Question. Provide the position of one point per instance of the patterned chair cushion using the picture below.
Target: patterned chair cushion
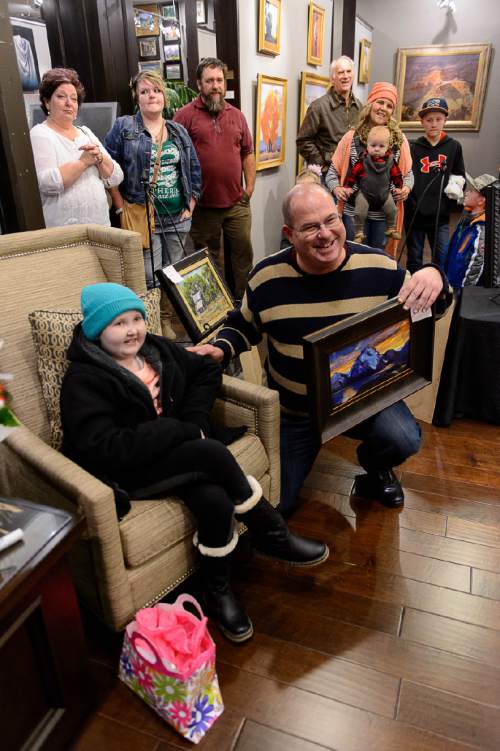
(52, 331)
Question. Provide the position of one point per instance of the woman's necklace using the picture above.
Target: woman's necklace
(157, 134)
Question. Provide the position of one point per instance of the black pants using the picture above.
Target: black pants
(220, 485)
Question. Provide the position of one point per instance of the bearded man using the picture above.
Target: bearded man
(224, 146)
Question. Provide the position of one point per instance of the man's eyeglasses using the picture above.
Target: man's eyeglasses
(311, 230)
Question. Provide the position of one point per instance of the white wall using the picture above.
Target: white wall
(406, 23)
(273, 184)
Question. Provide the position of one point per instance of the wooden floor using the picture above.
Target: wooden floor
(392, 645)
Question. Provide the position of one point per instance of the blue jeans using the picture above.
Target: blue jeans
(168, 248)
(387, 439)
(415, 245)
(374, 231)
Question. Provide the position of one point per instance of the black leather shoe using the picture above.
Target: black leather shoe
(382, 486)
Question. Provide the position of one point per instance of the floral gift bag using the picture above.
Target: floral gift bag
(168, 659)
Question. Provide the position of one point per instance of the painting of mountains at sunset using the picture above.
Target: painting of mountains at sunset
(452, 77)
(361, 367)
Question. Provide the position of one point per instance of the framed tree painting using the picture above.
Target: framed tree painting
(315, 34)
(312, 86)
(457, 73)
(365, 61)
(270, 129)
(269, 26)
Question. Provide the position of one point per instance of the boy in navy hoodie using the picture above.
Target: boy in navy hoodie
(438, 165)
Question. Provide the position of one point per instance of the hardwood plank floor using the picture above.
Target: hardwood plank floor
(392, 645)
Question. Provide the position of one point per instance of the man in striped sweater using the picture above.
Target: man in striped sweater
(319, 280)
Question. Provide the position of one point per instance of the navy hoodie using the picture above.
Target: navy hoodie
(428, 160)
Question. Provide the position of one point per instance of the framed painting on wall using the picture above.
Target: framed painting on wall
(155, 65)
(146, 19)
(148, 48)
(315, 34)
(269, 26)
(312, 86)
(270, 129)
(365, 61)
(365, 363)
(457, 73)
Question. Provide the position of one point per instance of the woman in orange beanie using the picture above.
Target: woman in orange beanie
(378, 110)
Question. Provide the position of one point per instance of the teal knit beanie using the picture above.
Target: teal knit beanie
(101, 303)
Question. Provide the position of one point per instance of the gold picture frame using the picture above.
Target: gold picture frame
(312, 86)
(146, 18)
(316, 34)
(269, 26)
(457, 73)
(270, 128)
(365, 61)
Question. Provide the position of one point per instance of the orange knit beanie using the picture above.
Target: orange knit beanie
(385, 90)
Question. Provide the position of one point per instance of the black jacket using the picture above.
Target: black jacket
(110, 425)
(430, 163)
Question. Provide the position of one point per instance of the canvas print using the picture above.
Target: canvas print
(315, 37)
(366, 364)
(172, 53)
(365, 61)
(198, 293)
(171, 30)
(270, 128)
(27, 60)
(173, 72)
(168, 11)
(312, 87)
(456, 73)
(152, 65)
(269, 26)
(146, 19)
(201, 11)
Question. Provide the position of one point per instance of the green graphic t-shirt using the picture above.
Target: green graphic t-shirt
(168, 190)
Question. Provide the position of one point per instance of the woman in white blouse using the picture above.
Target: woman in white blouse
(72, 166)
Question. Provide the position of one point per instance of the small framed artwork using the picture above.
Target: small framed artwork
(173, 72)
(146, 19)
(269, 26)
(155, 65)
(168, 11)
(457, 73)
(172, 52)
(312, 87)
(315, 34)
(270, 129)
(171, 30)
(198, 293)
(365, 363)
(148, 48)
(201, 11)
(365, 61)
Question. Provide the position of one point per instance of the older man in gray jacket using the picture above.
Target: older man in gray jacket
(329, 116)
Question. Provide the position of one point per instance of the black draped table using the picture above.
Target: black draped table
(470, 380)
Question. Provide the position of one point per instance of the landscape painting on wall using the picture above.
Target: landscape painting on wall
(456, 73)
(270, 129)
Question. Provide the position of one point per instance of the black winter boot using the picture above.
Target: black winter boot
(270, 533)
(221, 604)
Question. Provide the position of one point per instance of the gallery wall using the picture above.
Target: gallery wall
(272, 184)
(405, 23)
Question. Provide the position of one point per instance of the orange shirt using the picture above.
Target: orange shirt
(151, 379)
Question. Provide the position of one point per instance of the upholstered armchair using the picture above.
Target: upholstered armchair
(119, 566)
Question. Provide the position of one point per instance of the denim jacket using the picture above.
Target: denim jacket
(129, 143)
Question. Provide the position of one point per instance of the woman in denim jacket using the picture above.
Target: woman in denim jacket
(133, 142)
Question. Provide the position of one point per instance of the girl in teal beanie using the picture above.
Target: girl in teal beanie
(135, 412)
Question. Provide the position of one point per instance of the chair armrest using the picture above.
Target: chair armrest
(257, 407)
(94, 499)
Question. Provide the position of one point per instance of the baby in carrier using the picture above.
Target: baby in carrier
(373, 176)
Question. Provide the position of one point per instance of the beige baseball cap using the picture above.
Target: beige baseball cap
(481, 182)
